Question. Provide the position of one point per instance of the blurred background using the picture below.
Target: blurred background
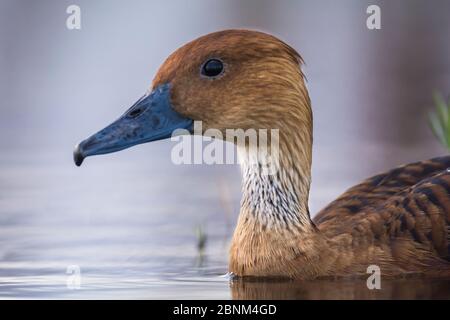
(138, 225)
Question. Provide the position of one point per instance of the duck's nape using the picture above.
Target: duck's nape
(238, 79)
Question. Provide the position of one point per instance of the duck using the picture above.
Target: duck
(397, 220)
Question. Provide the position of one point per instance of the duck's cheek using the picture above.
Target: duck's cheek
(151, 118)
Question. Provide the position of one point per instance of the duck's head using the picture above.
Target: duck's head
(234, 79)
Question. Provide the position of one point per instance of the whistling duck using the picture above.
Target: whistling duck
(398, 220)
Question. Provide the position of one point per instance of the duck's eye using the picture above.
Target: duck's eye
(212, 68)
(134, 113)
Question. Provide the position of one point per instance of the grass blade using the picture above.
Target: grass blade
(440, 120)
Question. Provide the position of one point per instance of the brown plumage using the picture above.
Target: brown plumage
(402, 216)
(398, 220)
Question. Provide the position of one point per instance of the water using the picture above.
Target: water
(129, 237)
(129, 221)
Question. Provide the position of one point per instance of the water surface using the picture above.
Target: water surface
(130, 222)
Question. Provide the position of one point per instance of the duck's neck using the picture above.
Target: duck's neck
(274, 228)
(277, 197)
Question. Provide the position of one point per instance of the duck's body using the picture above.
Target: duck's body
(398, 221)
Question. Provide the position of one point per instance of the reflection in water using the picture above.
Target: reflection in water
(135, 238)
(341, 289)
(128, 220)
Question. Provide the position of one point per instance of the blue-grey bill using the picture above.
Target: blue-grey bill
(151, 118)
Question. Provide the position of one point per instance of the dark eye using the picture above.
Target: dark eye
(134, 113)
(212, 68)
